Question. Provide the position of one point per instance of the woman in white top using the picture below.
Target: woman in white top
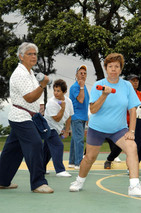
(24, 139)
(59, 110)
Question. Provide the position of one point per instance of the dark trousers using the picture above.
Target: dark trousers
(53, 147)
(138, 137)
(23, 141)
(115, 150)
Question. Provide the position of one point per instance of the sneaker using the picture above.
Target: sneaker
(107, 164)
(43, 189)
(63, 174)
(11, 186)
(71, 165)
(135, 191)
(77, 167)
(47, 172)
(76, 186)
(117, 159)
(127, 171)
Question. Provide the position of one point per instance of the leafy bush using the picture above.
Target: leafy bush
(4, 130)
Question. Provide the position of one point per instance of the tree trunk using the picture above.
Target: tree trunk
(97, 65)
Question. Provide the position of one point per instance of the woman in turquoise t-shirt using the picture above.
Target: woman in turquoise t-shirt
(108, 120)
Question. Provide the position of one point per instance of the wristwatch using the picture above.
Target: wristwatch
(41, 86)
(81, 87)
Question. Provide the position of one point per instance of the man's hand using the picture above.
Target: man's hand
(81, 83)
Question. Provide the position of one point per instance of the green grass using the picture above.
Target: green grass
(66, 142)
(2, 141)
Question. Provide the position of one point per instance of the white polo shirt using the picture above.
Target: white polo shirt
(52, 109)
(22, 82)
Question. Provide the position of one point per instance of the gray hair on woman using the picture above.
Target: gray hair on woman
(24, 47)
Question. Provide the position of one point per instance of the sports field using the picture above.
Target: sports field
(105, 191)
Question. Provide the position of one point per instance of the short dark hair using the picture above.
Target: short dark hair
(60, 83)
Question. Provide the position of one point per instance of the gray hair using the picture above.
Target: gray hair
(24, 47)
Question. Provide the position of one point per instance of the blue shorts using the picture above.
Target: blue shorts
(96, 138)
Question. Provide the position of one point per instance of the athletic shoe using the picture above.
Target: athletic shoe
(77, 167)
(127, 171)
(117, 159)
(43, 189)
(71, 165)
(76, 186)
(11, 186)
(47, 172)
(107, 164)
(63, 174)
(135, 191)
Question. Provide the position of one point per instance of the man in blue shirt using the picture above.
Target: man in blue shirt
(80, 99)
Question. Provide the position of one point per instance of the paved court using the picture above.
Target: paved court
(105, 191)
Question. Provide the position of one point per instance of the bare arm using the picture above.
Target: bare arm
(81, 95)
(60, 114)
(35, 94)
(67, 127)
(132, 124)
(94, 107)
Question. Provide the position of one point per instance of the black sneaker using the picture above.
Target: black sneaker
(107, 164)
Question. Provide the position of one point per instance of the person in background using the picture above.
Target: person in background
(115, 150)
(80, 99)
(113, 156)
(58, 112)
(42, 108)
(24, 139)
(134, 80)
(108, 120)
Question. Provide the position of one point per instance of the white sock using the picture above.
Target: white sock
(134, 182)
(81, 179)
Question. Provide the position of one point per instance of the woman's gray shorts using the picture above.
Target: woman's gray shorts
(96, 138)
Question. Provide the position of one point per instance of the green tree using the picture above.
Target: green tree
(130, 46)
(97, 29)
(36, 15)
(8, 43)
(110, 15)
(91, 34)
(70, 33)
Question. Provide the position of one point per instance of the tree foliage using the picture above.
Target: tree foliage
(130, 46)
(87, 28)
(8, 43)
(4, 130)
(92, 33)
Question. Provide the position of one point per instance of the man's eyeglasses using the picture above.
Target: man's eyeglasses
(83, 73)
(31, 54)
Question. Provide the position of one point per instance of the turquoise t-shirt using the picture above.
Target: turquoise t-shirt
(80, 109)
(112, 116)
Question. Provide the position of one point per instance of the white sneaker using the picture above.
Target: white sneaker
(135, 191)
(63, 174)
(76, 186)
(71, 165)
(117, 159)
(77, 167)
